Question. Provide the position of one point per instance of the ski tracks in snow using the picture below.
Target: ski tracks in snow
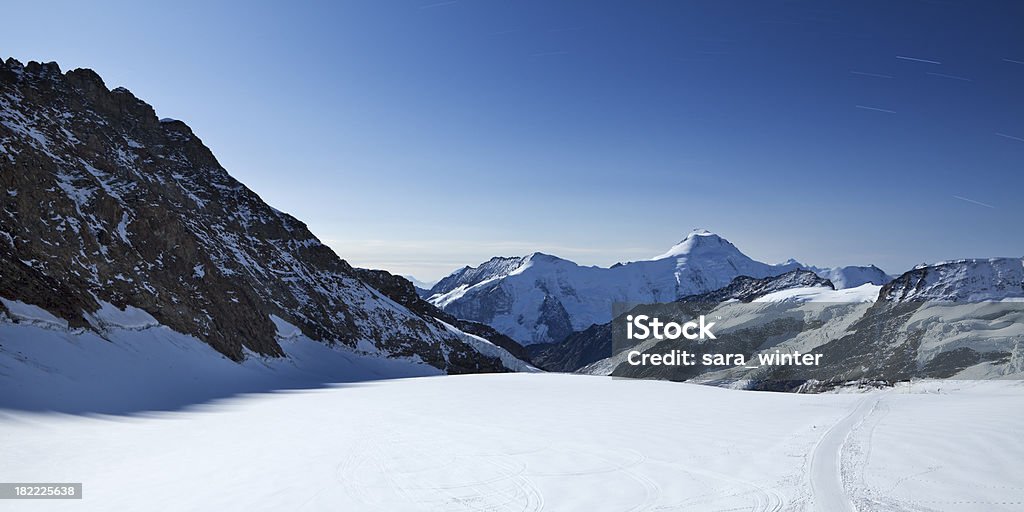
(826, 470)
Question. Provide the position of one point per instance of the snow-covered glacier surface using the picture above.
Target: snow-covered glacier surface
(530, 442)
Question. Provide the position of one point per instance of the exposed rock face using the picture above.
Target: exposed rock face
(402, 291)
(102, 201)
(575, 351)
(469, 276)
(961, 280)
(595, 343)
(746, 289)
(959, 319)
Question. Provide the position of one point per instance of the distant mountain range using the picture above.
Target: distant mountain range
(121, 231)
(541, 298)
(868, 324)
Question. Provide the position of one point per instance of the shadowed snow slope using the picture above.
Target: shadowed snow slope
(133, 364)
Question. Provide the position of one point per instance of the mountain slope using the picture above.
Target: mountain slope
(960, 280)
(102, 203)
(746, 289)
(962, 319)
(595, 342)
(404, 292)
(467, 276)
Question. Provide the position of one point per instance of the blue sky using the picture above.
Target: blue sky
(425, 135)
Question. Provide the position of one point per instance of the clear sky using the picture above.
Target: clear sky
(421, 136)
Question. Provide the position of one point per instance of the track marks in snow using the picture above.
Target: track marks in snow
(939, 449)
(755, 498)
(826, 470)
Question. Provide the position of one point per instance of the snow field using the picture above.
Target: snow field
(537, 442)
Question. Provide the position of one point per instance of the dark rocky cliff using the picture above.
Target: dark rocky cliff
(102, 201)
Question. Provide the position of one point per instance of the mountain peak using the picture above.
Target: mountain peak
(541, 256)
(698, 240)
(699, 232)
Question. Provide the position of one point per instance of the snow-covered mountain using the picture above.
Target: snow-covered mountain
(852, 276)
(420, 285)
(961, 319)
(541, 298)
(105, 207)
(595, 342)
(467, 276)
(960, 280)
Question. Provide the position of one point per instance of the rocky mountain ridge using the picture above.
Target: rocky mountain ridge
(961, 319)
(103, 203)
